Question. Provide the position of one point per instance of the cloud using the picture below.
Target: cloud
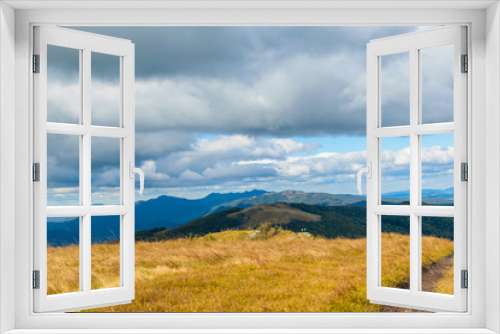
(105, 103)
(149, 169)
(63, 101)
(229, 52)
(303, 96)
(438, 155)
(322, 164)
(395, 89)
(242, 158)
(272, 81)
(215, 105)
(63, 161)
(437, 84)
(151, 145)
(219, 150)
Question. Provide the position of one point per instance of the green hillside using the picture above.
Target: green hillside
(293, 196)
(216, 222)
(325, 221)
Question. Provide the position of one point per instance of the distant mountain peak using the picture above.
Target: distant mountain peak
(289, 192)
(251, 193)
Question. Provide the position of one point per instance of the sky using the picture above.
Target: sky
(230, 109)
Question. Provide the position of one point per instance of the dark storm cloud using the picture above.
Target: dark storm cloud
(153, 144)
(251, 81)
(238, 52)
(301, 96)
(63, 161)
(277, 81)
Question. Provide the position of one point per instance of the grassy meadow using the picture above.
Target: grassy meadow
(281, 271)
(445, 284)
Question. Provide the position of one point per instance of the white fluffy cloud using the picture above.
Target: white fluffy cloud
(272, 163)
(302, 95)
(222, 150)
(227, 159)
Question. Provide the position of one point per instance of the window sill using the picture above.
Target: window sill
(249, 331)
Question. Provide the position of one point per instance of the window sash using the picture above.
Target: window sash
(86, 297)
(412, 43)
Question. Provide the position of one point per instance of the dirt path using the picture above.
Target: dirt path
(430, 276)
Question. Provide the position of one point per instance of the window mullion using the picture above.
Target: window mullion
(414, 171)
(86, 165)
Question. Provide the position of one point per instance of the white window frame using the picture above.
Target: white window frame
(483, 125)
(413, 43)
(86, 44)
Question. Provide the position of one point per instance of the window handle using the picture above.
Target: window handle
(133, 171)
(368, 171)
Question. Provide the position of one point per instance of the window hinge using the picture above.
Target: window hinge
(465, 279)
(36, 172)
(464, 171)
(36, 63)
(36, 279)
(465, 64)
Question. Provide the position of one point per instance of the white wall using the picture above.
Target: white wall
(492, 165)
(131, 17)
(7, 160)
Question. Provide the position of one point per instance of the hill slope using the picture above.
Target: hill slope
(429, 196)
(169, 212)
(162, 212)
(293, 196)
(324, 221)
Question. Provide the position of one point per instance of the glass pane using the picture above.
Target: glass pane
(63, 255)
(105, 171)
(105, 252)
(395, 252)
(437, 254)
(63, 85)
(395, 170)
(437, 84)
(395, 89)
(106, 93)
(437, 169)
(63, 170)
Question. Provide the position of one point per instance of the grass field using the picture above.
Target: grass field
(228, 272)
(445, 284)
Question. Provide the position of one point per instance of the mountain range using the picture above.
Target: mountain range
(323, 221)
(428, 195)
(168, 212)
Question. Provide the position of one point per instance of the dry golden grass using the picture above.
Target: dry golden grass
(396, 256)
(63, 260)
(227, 272)
(105, 266)
(63, 264)
(266, 212)
(445, 284)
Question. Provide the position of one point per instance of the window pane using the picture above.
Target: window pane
(437, 254)
(106, 93)
(437, 84)
(63, 170)
(395, 241)
(395, 89)
(105, 252)
(63, 85)
(63, 255)
(395, 170)
(437, 169)
(105, 171)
